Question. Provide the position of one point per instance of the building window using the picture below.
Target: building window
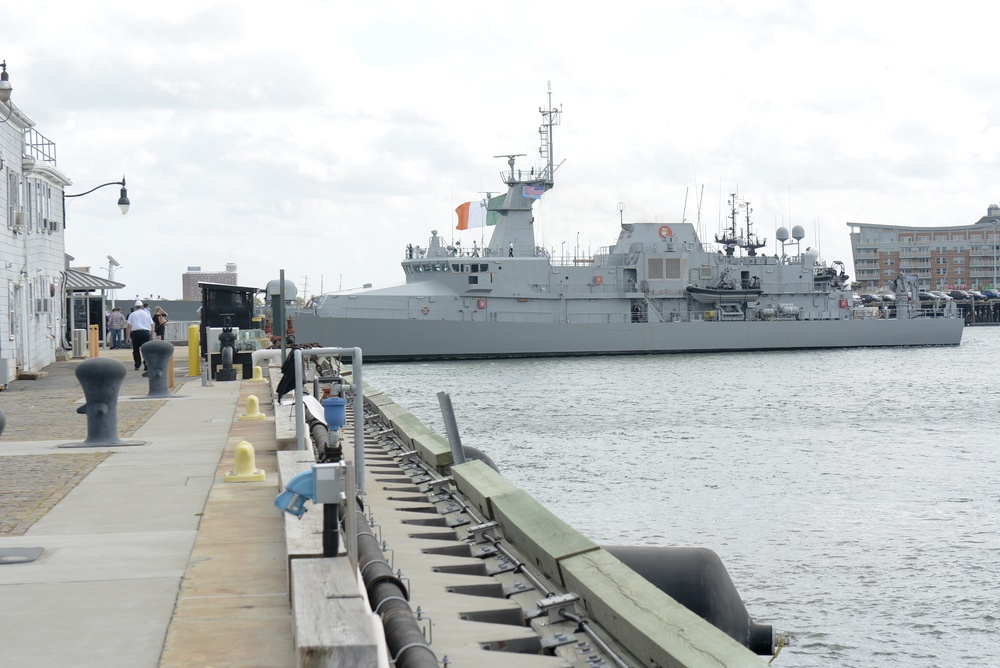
(12, 201)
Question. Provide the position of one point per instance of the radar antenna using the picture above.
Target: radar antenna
(508, 178)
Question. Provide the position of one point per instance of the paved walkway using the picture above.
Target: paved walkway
(148, 558)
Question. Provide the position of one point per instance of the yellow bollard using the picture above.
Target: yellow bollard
(194, 351)
(253, 410)
(246, 467)
(258, 375)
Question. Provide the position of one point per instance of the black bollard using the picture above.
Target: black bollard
(101, 379)
(227, 352)
(158, 355)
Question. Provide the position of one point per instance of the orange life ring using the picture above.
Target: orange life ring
(425, 310)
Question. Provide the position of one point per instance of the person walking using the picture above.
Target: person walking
(116, 323)
(140, 330)
(160, 323)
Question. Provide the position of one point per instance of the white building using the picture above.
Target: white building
(33, 262)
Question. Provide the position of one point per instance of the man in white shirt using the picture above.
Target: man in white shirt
(140, 330)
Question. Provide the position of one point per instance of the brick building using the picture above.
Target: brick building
(942, 258)
(194, 275)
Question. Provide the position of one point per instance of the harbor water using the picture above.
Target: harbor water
(853, 495)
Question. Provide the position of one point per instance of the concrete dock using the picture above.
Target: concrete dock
(146, 556)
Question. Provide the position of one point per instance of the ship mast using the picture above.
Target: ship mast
(551, 118)
(752, 243)
(728, 238)
(514, 234)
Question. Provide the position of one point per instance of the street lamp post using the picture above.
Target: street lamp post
(123, 202)
(123, 205)
(112, 265)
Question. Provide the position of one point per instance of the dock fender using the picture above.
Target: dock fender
(476, 453)
(696, 578)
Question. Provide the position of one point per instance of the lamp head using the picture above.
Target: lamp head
(5, 87)
(123, 202)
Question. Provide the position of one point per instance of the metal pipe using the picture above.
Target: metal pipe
(358, 405)
(331, 529)
(388, 597)
(584, 626)
(451, 428)
(407, 646)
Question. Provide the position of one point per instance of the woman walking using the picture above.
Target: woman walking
(160, 323)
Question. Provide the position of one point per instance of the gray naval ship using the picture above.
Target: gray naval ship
(658, 289)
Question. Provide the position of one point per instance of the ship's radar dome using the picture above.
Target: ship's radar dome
(434, 233)
(798, 233)
(273, 289)
(782, 234)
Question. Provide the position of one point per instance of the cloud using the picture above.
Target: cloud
(321, 138)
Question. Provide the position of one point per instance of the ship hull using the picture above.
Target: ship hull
(423, 339)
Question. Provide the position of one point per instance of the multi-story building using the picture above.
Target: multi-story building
(194, 275)
(32, 246)
(36, 279)
(940, 258)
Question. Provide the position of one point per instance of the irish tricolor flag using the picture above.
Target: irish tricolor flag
(471, 214)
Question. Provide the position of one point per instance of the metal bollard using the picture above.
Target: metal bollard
(194, 356)
(101, 379)
(227, 352)
(158, 355)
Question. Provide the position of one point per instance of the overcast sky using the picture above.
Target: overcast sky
(322, 137)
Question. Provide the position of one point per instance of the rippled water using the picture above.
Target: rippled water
(853, 495)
